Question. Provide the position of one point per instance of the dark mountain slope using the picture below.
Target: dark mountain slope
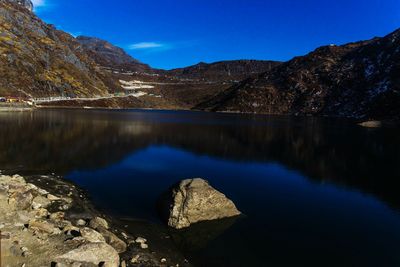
(38, 60)
(107, 55)
(354, 80)
(234, 70)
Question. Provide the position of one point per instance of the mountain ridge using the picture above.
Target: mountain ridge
(108, 55)
(350, 80)
(38, 60)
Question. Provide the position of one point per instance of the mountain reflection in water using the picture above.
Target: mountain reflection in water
(324, 150)
(264, 163)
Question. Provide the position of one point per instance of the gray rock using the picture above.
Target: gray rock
(98, 222)
(71, 230)
(23, 216)
(135, 259)
(140, 240)
(36, 206)
(40, 202)
(125, 236)
(21, 200)
(25, 252)
(93, 253)
(113, 240)
(57, 216)
(91, 235)
(41, 213)
(43, 226)
(81, 222)
(52, 197)
(42, 191)
(194, 200)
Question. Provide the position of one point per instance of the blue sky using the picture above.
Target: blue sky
(176, 33)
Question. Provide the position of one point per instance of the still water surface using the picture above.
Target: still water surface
(315, 192)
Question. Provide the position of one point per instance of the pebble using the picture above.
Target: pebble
(32, 186)
(144, 246)
(123, 264)
(25, 252)
(57, 216)
(42, 192)
(41, 213)
(36, 206)
(141, 240)
(81, 222)
(52, 197)
(135, 259)
(163, 260)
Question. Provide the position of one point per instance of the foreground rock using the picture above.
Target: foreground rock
(45, 221)
(97, 254)
(194, 200)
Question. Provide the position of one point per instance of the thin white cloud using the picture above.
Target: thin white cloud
(157, 47)
(147, 45)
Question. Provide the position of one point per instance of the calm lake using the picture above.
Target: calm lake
(315, 192)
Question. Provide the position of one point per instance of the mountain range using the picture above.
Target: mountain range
(359, 80)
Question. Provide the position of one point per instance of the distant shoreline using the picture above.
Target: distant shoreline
(15, 108)
(377, 123)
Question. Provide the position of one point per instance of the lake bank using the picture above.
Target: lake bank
(44, 218)
(15, 107)
(125, 105)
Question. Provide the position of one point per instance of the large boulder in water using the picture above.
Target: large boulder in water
(194, 200)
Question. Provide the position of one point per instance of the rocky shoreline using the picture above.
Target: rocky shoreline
(15, 108)
(46, 221)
